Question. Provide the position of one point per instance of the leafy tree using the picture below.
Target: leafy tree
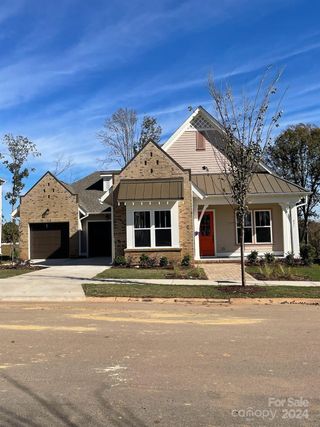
(296, 156)
(10, 232)
(18, 150)
(150, 130)
(247, 131)
(121, 136)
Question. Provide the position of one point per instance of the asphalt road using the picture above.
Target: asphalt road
(145, 364)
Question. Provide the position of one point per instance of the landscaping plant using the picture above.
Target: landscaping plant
(186, 260)
(308, 254)
(253, 257)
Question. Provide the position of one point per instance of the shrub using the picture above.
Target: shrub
(289, 259)
(163, 261)
(144, 260)
(152, 262)
(197, 273)
(120, 261)
(129, 261)
(186, 260)
(253, 257)
(307, 253)
(269, 258)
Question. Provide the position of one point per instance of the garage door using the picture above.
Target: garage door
(99, 238)
(49, 240)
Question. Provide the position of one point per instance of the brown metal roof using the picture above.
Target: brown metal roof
(156, 189)
(262, 183)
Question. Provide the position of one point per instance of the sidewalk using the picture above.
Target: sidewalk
(210, 282)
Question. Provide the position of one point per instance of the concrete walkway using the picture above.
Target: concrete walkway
(224, 271)
(60, 281)
(209, 282)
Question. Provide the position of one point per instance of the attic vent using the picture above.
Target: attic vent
(151, 154)
(200, 142)
(200, 123)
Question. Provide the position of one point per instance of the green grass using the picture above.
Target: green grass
(194, 291)
(11, 272)
(152, 273)
(311, 272)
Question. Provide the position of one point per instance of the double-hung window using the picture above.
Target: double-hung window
(162, 223)
(142, 229)
(248, 228)
(152, 229)
(263, 226)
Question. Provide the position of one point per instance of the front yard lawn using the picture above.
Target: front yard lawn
(153, 273)
(194, 291)
(271, 272)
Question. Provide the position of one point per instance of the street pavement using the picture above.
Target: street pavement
(146, 364)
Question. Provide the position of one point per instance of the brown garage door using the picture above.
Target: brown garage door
(49, 240)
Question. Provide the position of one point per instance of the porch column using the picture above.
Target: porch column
(295, 243)
(196, 230)
(286, 226)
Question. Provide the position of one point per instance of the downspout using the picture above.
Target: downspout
(291, 229)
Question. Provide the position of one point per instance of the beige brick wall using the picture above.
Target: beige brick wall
(152, 163)
(48, 194)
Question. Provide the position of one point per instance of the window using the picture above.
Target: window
(162, 222)
(263, 226)
(142, 231)
(247, 232)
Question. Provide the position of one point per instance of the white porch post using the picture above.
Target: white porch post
(197, 220)
(295, 243)
(196, 230)
(286, 225)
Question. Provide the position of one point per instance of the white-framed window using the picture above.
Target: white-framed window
(248, 228)
(162, 224)
(257, 227)
(263, 232)
(142, 229)
(152, 228)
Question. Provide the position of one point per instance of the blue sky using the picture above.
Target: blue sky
(68, 64)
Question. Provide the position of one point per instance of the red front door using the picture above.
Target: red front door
(206, 235)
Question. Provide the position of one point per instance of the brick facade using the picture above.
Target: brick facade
(153, 163)
(48, 201)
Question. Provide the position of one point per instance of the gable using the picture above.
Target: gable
(151, 162)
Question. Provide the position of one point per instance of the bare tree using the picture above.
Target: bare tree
(248, 127)
(120, 135)
(62, 164)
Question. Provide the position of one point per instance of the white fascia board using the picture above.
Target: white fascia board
(179, 131)
(106, 194)
(198, 193)
(15, 213)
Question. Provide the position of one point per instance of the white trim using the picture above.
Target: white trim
(252, 229)
(197, 192)
(236, 254)
(260, 226)
(197, 222)
(106, 194)
(173, 207)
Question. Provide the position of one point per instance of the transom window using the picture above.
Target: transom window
(258, 231)
(152, 226)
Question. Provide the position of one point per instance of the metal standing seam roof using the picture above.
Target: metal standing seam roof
(157, 189)
(261, 183)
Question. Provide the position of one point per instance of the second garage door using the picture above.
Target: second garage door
(49, 240)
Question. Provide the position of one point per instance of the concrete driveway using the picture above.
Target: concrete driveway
(60, 280)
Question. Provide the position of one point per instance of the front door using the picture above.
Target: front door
(206, 235)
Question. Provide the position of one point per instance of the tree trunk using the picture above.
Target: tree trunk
(243, 275)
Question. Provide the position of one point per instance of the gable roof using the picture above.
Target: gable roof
(261, 183)
(210, 132)
(90, 190)
(66, 186)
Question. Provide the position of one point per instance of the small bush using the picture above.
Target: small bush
(186, 261)
(163, 261)
(120, 261)
(197, 273)
(144, 261)
(152, 262)
(252, 258)
(129, 261)
(289, 259)
(269, 258)
(308, 254)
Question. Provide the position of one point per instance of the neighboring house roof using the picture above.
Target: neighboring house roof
(261, 183)
(157, 189)
(89, 190)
